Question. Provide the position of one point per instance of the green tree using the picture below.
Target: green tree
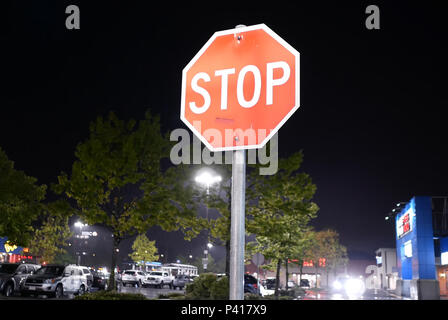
(51, 235)
(117, 182)
(326, 252)
(64, 258)
(302, 252)
(20, 202)
(330, 249)
(280, 210)
(143, 250)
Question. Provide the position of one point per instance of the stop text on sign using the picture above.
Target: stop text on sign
(224, 75)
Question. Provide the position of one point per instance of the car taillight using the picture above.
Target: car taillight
(255, 286)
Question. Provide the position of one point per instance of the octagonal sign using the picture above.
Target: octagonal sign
(240, 88)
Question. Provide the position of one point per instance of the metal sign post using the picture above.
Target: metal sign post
(237, 228)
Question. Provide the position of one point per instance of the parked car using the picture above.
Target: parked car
(304, 283)
(133, 277)
(269, 283)
(181, 280)
(56, 280)
(267, 287)
(100, 280)
(159, 279)
(86, 271)
(251, 284)
(13, 275)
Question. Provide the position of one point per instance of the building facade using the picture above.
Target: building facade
(386, 272)
(422, 248)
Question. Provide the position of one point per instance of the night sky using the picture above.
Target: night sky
(371, 123)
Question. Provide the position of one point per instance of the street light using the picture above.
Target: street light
(80, 225)
(207, 179)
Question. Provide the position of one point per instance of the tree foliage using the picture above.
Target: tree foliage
(52, 232)
(117, 180)
(280, 208)
(143, 250)
(326, 246)
(20, 202)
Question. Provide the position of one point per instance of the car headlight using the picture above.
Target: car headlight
(50, 281)
(354, 287)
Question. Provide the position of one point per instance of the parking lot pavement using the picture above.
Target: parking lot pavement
(38, 297)
(150, 293)
(370, 294)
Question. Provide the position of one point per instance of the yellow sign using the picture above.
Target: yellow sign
(9, 247)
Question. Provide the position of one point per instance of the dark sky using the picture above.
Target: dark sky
(371, 123)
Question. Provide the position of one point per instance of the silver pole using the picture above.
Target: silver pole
(237, 229)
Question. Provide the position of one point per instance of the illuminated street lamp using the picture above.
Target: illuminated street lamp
(207, 179)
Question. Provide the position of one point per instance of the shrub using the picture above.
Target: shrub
(220, 289)
(111, 295)
(207, 286)
(251, 296)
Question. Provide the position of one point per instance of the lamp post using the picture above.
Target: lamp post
(80, 225)
(207, 179)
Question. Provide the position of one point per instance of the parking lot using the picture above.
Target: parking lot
(150, 293)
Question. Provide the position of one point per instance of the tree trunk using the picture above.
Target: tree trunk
(301, 272)
(112, 282)
(286, 272)
(277, 278)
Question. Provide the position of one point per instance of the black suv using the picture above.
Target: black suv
(13, 275)
(251, 284)
(100, 280)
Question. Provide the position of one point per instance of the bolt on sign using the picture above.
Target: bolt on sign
(240, 88)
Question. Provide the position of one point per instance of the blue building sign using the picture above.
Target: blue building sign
(415, 249)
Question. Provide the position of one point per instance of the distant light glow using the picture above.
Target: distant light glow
(207, 179)
(354, 288)
(337, 285)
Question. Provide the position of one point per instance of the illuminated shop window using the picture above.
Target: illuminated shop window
(408, 249)
(444, 257)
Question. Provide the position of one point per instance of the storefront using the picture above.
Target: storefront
(422, 249)
(442, 265)
(12, 253)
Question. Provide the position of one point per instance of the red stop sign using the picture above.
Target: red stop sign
(240, 88)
